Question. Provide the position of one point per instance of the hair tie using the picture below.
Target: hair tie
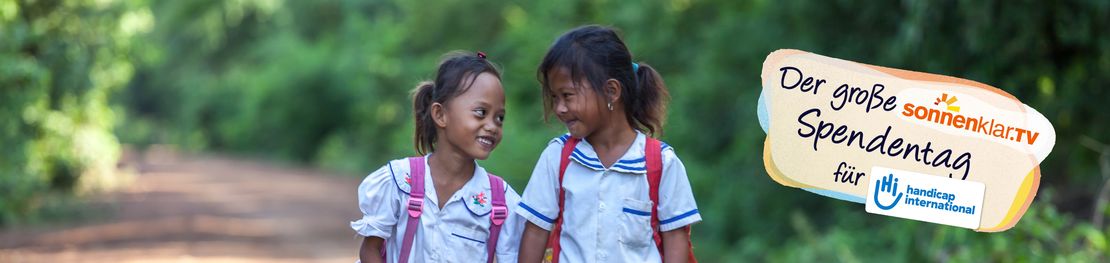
(481, 55)
(635, 67)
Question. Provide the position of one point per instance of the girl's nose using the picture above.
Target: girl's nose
(560, 107)
(491, 126)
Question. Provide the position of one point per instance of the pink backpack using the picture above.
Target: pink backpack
(415, 206)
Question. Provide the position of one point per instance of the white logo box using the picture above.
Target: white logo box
(924, 197)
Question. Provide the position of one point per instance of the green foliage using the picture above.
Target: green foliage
(327, 83)
(60, 62)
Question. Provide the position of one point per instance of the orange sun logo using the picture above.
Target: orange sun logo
(948, 101)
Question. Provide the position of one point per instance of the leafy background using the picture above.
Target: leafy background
(325, 84)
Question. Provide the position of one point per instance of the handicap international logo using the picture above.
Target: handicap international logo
(889, 185)
(926, 198)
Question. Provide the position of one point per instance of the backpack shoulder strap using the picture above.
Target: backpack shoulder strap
(653, 155)
(415, 206)
(553, 239)
(498, 215)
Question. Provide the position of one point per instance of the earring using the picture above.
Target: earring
(610, 106)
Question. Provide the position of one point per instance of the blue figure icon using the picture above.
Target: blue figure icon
(888, 184)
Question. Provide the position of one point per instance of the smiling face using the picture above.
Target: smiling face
(470, 123)
(577, 106)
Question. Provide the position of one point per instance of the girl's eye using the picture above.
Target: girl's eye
(480, 113)
(500, 118)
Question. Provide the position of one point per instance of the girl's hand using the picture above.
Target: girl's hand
(676, 245)
(371, 250)
(532, 243)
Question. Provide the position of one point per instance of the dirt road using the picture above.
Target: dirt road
(204, 209)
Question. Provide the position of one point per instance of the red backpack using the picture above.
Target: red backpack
(653, 155)
(415, 206)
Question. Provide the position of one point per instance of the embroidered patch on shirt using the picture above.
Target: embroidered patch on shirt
(478, 203)
(479, 199)
(402, 178)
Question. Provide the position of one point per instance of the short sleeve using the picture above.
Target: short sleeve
(508, 243)
(539, 204)
(379, 200)
(676, 200)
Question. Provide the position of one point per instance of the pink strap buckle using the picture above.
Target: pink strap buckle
(499, 214)
(416, 206)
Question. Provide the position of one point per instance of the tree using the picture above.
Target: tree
(60, 63)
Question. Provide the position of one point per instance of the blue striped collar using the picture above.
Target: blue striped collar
(631, 162)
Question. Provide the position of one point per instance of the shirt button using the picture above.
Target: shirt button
(602, 206)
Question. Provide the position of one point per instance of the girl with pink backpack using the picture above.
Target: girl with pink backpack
(442, 206)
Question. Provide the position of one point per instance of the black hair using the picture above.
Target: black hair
(455, 67)
(597, 54)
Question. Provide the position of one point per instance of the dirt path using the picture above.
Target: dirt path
(205, 209)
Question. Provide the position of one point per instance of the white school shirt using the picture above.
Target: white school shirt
(607, 216)
(456, 233)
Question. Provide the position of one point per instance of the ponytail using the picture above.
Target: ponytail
(425, 126)
(646, 101)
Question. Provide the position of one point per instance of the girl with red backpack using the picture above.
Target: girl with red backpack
(607, 191)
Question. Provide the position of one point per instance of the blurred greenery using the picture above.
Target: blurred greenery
(60, 64)
(326, 83)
